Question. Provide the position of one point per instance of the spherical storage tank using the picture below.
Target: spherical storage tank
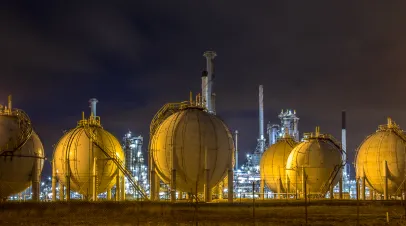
(273, 164)
(320, 157)
(20, 150)
(388, 144)
(75, 153)
(180, 142)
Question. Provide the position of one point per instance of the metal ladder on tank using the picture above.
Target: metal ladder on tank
(324, 188)
(165, 112)
(24, 123)
(116, 160)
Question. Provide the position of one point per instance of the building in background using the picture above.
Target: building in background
(288, 121)
(135, 162)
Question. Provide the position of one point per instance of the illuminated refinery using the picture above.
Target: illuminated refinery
(192, 155)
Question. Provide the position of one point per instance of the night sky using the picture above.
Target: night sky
(317, 57)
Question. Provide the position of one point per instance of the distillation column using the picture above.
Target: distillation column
(210, 55)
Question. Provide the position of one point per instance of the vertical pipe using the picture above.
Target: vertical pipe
(261, 117)
(385, 174)
(118, 185)
(94, 190)
(53, 181)
(92, 106)
(210, 55)
(236, 150)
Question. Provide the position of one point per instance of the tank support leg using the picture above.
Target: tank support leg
(332, 191)
(94, 190)
(173, 186)
(363, 188)
(36, 177)
(385, 174)
(153, 185)
(340, 187)
(230, 185)
(118, 185)
(109, 194)
(53, 181)
(262, 189)
(122, 192)
(61, 189)
(278, 189)
(207, 188)
(287, 187)
(303, 182)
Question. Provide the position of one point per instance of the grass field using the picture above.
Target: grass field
(323, 212)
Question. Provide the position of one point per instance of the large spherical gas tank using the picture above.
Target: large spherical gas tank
(387, 144)
(321, 160)
(273, 164)
(76, 148)
(181, 140)
(22, 148)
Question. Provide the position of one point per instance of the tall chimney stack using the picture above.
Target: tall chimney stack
(236, 150)
(210, 55)
(261, 138)
(344, 140)
(10, 103)
(92, 106)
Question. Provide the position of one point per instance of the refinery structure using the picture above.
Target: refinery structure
(192, 155)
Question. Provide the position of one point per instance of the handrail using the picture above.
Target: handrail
(116, 160)
(26, 131)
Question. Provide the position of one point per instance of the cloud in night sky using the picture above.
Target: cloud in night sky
(316, 57)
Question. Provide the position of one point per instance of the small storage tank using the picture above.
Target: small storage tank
(319, 157)
(273, 164)
(381, 156)
(76, 153)
(21, 153)
(180, 143)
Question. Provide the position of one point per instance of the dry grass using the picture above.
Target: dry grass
(323, 212)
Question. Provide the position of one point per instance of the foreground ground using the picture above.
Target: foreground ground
(324, 212)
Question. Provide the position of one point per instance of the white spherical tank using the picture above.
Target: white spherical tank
(180, 142)
(75, 153)
(20, 150)
(273, 164)
(386, 146)
(320, 157)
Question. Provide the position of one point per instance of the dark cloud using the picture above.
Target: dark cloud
(316, 57)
